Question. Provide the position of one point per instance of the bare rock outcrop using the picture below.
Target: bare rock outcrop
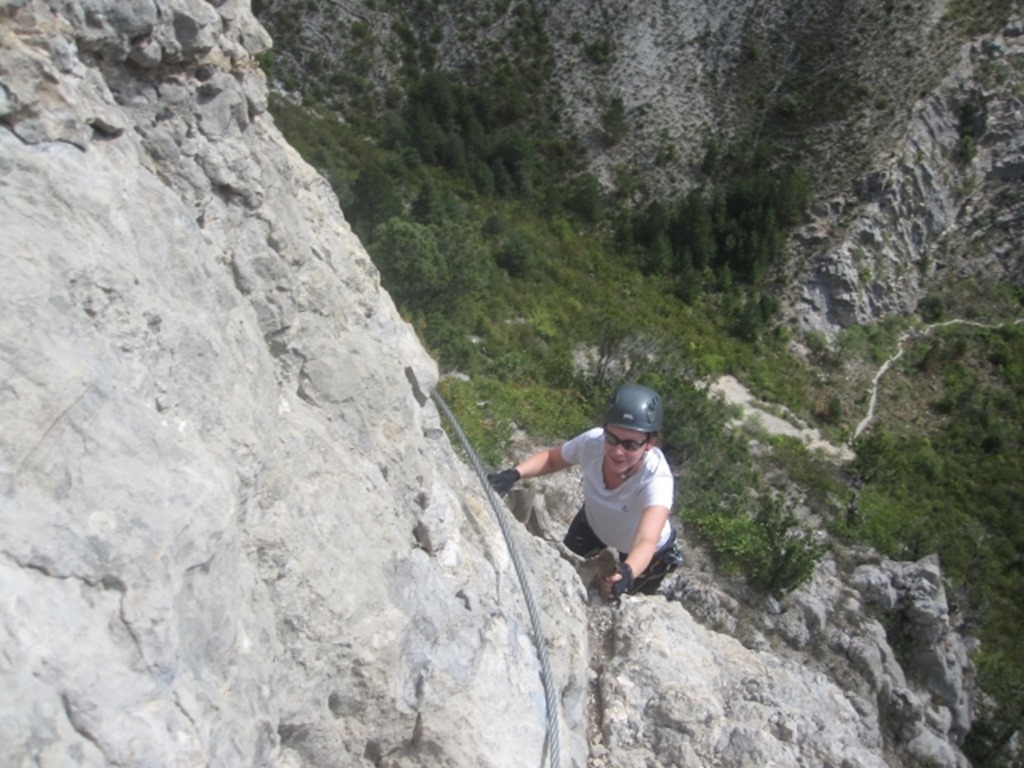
(946, 205)
(232, 531)
(871, 633)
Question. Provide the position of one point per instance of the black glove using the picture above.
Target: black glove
(503, 481)
(624, 584)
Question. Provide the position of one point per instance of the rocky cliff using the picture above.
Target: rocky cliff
(910, 133)
(233, 531)
(946, 204)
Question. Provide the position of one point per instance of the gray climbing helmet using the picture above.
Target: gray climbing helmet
(634, 406)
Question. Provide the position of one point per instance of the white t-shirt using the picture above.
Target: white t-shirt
(615, 514)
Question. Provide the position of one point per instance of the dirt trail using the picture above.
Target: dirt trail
(777, 420)
(912, 334)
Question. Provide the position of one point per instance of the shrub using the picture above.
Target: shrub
(613, 122)
(515, 254)
(770, 547)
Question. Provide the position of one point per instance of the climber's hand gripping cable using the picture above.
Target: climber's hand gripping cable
(503, 481)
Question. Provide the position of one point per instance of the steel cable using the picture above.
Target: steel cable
(538, 636)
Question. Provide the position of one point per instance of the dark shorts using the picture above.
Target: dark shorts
(581, 539)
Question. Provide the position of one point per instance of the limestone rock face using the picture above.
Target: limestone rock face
(820, 655)
(945, 205)
(771, 713)
(232, 530)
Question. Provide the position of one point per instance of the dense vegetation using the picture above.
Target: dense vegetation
(538, 290)
(956, 488)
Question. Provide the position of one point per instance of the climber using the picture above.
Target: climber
(627, 491)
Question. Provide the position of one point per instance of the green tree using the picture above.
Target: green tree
(584, 198)
(697, 233)
(411, 264)
(470, 268)
(613, 122)
(429, 205)
(792, 197)
(515, 153)
(516, 255)
(376, 200)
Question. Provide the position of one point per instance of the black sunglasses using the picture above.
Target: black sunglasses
(629, 445)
